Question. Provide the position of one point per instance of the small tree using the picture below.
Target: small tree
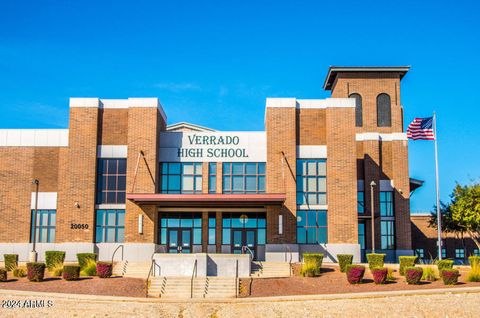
(462, 215)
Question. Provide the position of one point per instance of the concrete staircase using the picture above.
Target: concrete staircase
(131, 269)
(203, 287)
(270, 269)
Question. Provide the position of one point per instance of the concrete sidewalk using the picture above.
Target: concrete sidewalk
(365, 295)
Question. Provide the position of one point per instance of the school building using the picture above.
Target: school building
(120, 175)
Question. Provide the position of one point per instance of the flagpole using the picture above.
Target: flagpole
(437, 186)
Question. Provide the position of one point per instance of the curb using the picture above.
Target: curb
(365, 295)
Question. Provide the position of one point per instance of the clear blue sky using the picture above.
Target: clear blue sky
(214, 62)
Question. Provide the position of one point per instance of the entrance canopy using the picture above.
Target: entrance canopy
(210, 200)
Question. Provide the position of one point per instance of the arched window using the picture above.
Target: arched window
(358, 109)
(384, 111)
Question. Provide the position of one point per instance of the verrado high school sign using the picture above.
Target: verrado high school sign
(212, 147)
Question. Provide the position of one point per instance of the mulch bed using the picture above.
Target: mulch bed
(113, 286)
(332, 281)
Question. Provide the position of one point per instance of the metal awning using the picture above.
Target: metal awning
(210, 200)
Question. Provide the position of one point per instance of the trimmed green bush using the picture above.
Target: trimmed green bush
(11, 261)
(53, 258)
(375, 260)
(355, 273)
(429, 274)
(406, 261)
(413, 275)
(35, 271)
(104, 269)
(314, 258)
(3, 275)
(84, 257)
(450, 276)
(474, 273)
(474, 260)
(344, 260)
(71, 272)
(444, 264)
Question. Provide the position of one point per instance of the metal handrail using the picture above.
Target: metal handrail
(113, 255)
(148, 276)
(194, 272)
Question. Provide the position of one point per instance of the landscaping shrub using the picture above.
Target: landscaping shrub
(90, 268)
(52, 258)
(314, 258)
(104, 269)
(474, 260)
(57, 269)
(11, 261)
(308, 270)
(406, 261)
(450, 276)
(344, 260)
(390, 276)
(444, 264)
(19, 272)
(71, 272)
(413, 275)
(3, 275)
(429, 274)
(379, 275)
(355, 273)
(84, 257)
(375, 260)
(35, 271)
(474, 273)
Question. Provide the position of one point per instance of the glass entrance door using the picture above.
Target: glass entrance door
(179, 240)
(242, 238)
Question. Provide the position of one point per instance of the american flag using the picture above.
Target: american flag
(421, 128)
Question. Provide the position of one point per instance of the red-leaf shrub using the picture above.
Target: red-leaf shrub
(413, 275)
(3, 275)
(71, 272)
(355, 273)
(379, 275)
(104, 269)
(450, 276)
(35, 272)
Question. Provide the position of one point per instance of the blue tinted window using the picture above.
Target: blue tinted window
(241, 177)
(311, 227)
(311, 182)
(111, 180)
(110, 226)
(185, 177)
(45, 226)
(386, 203)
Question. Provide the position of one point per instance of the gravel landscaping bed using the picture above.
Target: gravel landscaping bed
(114, 286)
(332, 281)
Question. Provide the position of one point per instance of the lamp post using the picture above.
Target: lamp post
(33, 253)
(372, 212)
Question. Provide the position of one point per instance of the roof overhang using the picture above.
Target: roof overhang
(415, 184)
(203, 200)
(334, 70)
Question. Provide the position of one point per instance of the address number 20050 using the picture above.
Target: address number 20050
(77, 226)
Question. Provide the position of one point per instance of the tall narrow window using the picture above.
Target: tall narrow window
(386, 203)
(358, 109)
(361, 201)
(111, 180)
(311, 182)
(45, 229)
(384, 111)
(212, 222)
(212, 177)
(387, 233)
